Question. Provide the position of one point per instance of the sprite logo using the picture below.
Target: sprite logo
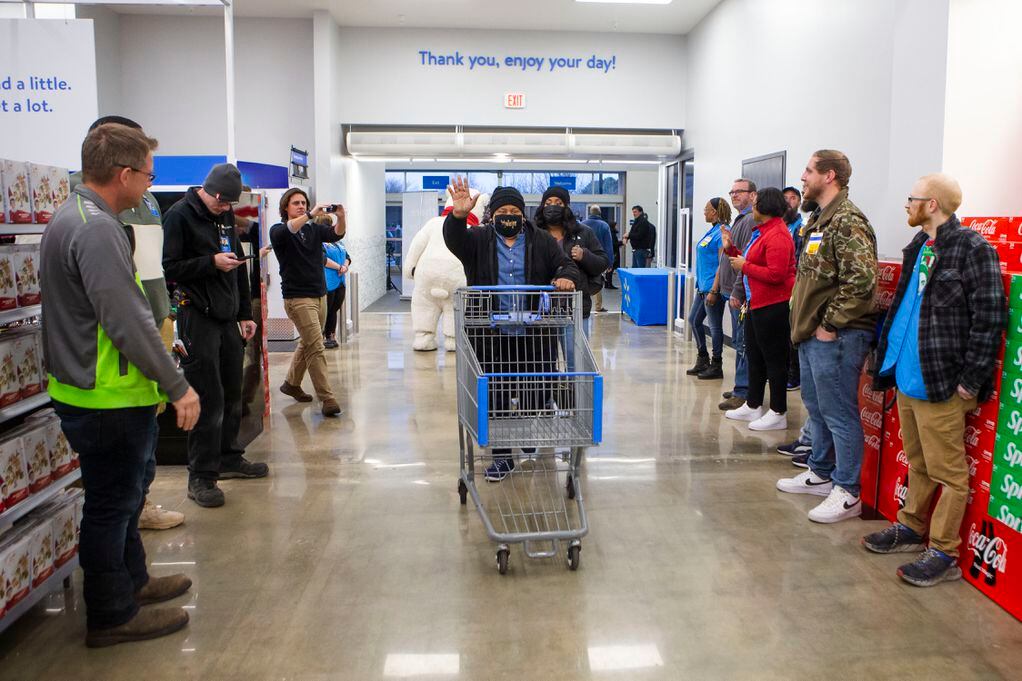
(1010, 488)
(1014, 423)
(1016, 390)
(1012, 455)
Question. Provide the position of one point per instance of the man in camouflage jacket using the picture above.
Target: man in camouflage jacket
(833, 320)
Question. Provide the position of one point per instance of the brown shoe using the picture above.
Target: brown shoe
(331, 408)
(159, 589)
(146, 624)
(295, 391)
(732, 402)
(155, 517)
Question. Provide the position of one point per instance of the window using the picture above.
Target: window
(483, 181)
(395, 182)
(520, 181)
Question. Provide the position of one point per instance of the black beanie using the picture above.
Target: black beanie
(223, 181)
(559, 192)
(506, 196)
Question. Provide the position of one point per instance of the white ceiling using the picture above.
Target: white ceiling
(679, 17)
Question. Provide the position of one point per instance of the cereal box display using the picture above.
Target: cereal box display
(16, 192)
(8, 285)
(17, 569)
(3, 219)
(37, 454)
(76, 497)
(14, 471)
(65, 544)
(26, 360)
(26, 274)
(40, 537)
(10, 387)
(41, 356)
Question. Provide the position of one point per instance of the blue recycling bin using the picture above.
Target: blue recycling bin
(644, 294)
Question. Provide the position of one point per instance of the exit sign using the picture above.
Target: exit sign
(514, 100)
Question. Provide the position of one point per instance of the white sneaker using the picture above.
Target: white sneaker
(806, 482)
(840, 505)
(770, 421)
(155, 517)
(745, 413)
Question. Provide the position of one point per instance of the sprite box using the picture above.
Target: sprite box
(1011, 388)
(1013, 352)
(1006, 485)
(1015, 319)
(1009, 422)
(1008, 452)
(1015, 292)
(1006, 511)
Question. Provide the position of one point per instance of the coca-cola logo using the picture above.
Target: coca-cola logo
(971, 436)
(992, 551)
(871, 417)
(872, 442)
(900, 493)
(884, 298)
(888, 273)
(1012, 455)
(902, 458)
(985, 227)
(973, 465)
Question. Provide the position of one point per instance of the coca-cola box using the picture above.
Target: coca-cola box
(888, 273)
(995, 229)
(991, 556)
(1009, 253)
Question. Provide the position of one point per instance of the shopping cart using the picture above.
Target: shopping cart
(527, 384)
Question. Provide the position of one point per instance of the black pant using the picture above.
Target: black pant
(115, 448)
(767, 331)
(213, 368)
(334, 300)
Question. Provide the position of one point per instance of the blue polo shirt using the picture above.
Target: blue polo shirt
(707, 258)
(745, 253)
(902, 354)
(510, 267)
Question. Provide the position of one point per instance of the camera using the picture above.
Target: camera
(332, 208)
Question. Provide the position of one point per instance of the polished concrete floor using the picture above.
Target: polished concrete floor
(354, 560)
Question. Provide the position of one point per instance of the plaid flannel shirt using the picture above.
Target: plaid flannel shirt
(962, 314)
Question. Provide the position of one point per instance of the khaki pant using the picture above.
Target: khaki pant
(598, 300)
(308, 316)
(934, 438)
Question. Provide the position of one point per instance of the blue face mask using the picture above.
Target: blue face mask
(508, 226)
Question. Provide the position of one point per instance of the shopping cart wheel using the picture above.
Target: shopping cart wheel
(502, 556)
(574, 556)
(462, 491)
(571, 488)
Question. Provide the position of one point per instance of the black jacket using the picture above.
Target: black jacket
(642, 235)
(961, 317)
(191, 237)
(476, 248)
(593, 264)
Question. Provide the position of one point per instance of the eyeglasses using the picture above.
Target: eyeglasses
(733, 192)
(920, 198)
(151, 176)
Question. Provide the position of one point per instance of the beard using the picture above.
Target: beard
(915, 219)
(790, 215)
(808, 205)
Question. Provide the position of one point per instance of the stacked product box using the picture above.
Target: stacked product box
(32, 192)
(32, 457)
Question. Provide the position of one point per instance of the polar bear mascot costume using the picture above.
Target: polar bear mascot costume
(437, 273)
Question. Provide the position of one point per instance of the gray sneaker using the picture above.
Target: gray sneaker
(205, 493)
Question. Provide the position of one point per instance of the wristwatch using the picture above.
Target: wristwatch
(308, 215)
(828, 327)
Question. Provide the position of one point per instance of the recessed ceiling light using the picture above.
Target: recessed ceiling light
(629, 2)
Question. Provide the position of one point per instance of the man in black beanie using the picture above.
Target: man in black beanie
(203, 257)
(510, 252)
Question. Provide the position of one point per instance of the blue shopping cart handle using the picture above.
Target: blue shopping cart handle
(510, 288)
(547, 374)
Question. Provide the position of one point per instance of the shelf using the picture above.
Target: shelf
(24, 406)
(8, 228)
(19, 314)
(52, 583)
(8, 517)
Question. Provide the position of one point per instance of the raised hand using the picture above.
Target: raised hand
(461, 196)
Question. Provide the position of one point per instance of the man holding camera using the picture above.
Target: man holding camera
(298, 244)
(203, 257)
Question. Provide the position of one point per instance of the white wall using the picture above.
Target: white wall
(107, 26)
(642, 188)
(172, 81)
(983, 132)
(365, 200)
(863, 76)
(381, 79)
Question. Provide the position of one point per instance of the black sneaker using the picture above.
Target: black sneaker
(932, 567)
(895, 538)
(801, 460)
(727, 395)
(205, 492)
(794, 448)
(243, 469)
(500, 468)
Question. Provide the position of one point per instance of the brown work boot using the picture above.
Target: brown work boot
(159, 589)
(155, 517)
(146, 624)
(732, 402)
(331, 408)
(295, 391)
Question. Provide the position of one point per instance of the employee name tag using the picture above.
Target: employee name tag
(706, 242)
(814, 243)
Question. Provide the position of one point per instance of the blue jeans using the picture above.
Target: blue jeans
(115, 447)
(830, 390)
(741, 366)
(569, 341)
(640, 257)
(805, 434)
(713, 315)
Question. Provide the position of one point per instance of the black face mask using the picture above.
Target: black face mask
(554, 215)
(508, 226)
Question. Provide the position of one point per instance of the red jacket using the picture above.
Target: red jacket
(770, 264)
